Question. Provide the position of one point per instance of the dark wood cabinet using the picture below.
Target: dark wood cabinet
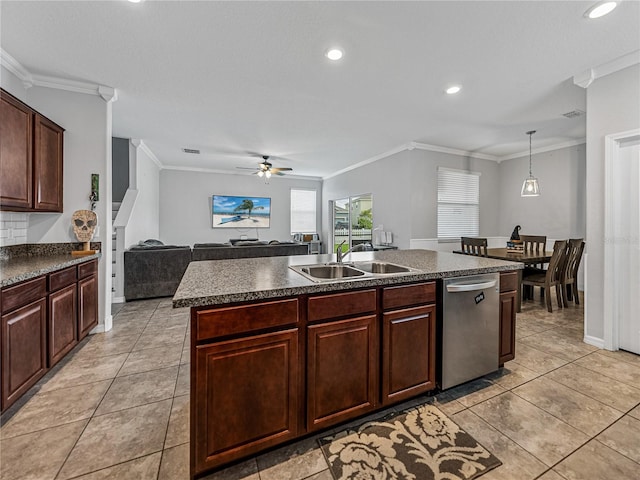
(408, 353)
(508, 307)
(16, 166)
(31, 158)
(408, 341)
(23, 349)
(42, 320)
(62, 323)
(47, 165)
(245, 398)
(87, 298)
(342, 370)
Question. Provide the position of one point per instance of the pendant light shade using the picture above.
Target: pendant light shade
(530, 187)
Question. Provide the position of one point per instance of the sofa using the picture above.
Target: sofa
(246, 249)
(152, 269)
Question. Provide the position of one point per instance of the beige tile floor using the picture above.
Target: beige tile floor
(118, 408)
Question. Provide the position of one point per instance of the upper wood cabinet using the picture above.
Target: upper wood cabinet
(31, 162)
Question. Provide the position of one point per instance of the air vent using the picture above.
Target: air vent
(573, 114)
(191, 150)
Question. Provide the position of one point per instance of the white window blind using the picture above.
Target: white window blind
(303, 211)
(458, 204)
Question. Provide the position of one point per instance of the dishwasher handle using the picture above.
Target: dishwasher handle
(470, 287)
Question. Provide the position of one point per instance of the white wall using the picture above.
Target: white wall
(405, 192)
(559, 212)
(144, 221)
(613, 106)
(387, 180)
(87, 149)
(185, 205)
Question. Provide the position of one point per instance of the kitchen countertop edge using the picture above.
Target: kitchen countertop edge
(20, 269)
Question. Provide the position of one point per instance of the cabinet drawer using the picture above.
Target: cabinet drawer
(62, 278)
(23, 294)
(508, 281)
(341, 305)
(86, 269)
(245, 318)
(407, 295)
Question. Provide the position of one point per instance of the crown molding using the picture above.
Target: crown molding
(586, 78)
(393, 151)
(452, 151)
(549, 148)
(179, 168)
(143, 146)
(108, 94)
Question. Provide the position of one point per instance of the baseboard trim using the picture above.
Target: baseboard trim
(595, 341)
(118, 300)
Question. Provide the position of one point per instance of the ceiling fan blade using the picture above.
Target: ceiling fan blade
(283, 169)
(247, 168)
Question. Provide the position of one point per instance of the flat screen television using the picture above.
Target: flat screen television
(240, 212)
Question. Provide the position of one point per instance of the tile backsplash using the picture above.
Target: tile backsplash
(13, 228)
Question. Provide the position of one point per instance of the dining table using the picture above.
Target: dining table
(528, 258)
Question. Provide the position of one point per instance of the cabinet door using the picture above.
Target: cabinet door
(87, 305)
(23, 349)
(408, 353)
(16, 174)
(62, 324)
(507, 326)
(47, 165)
(342, 370)
(245, 396)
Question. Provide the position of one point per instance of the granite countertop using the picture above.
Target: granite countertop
(217, 282)
(19, 269)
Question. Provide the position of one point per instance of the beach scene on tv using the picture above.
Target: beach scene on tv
(240, 212)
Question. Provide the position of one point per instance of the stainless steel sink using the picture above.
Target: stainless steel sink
(330, 271)
(381, 267)
(327, 272)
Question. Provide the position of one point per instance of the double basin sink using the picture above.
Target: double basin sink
(325, 272)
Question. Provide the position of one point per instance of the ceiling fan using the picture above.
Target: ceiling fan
(266, 169)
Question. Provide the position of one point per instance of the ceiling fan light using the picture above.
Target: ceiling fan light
(267, 174)
(260, 173)
(530, 188)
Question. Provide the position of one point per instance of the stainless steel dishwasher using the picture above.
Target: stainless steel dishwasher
(470, 328)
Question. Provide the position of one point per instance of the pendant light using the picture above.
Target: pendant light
(530, 187)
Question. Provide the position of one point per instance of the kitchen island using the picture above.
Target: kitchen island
(276, 356)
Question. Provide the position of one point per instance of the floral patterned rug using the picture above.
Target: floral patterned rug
(418, 444)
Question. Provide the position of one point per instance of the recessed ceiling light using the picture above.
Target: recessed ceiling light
(600, 9)
(135, 1)
(452, 90)
(334, 54)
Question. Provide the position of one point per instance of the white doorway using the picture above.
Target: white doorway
(622, 241)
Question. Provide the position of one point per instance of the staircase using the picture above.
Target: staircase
(115, 206)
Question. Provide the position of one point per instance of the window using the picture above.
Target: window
(458, 204)
(352, 221)
(303, 211)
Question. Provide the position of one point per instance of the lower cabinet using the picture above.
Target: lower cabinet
(87, 305)
(62, 323)
(42, 320)
(408, 353)
(246, 396)
(342, 370)
(24, 349)
(508, 307)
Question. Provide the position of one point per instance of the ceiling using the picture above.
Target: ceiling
(240, 79)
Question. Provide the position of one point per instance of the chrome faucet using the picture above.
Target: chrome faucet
(340, 255)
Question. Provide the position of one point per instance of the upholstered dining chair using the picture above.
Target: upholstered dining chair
(552, 277)
(570, 274)
(474, 246)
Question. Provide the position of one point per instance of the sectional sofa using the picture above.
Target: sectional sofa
(155, 270)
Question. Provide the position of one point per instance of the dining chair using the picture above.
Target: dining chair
(552, 277)
(474, 246)
(570, 275)
(534, 244)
